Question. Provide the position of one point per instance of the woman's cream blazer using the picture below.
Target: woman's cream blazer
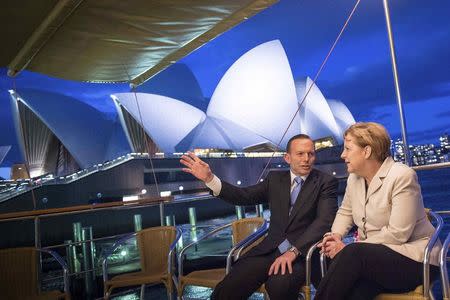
(390, 213)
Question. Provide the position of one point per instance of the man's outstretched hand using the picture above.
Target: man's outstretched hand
(196, 167)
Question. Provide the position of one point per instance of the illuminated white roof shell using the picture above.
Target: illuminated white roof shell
(258, 93)
(166, 120)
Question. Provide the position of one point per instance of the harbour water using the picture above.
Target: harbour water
(435, 186)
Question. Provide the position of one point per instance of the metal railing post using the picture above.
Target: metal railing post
(192, 217)
(88, 259)
(240, 213)
(137, 222)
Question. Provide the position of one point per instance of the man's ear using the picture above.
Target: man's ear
(287, 158)
(367, 152)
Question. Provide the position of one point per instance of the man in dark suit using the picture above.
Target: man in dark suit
(303, 204)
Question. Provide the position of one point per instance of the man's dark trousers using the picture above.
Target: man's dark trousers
(311, 217)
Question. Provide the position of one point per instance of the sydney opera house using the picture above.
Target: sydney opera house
(256, 106)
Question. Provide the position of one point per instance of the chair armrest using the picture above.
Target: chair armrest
(443, 267)
(426, 260)
(309, 255)
(245, 243)
(347, 239)
(205, 236)
(63, 264)
(110, 251)
(172, 249)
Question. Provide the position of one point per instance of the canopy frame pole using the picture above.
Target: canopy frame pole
(49, 26)
(407, 159)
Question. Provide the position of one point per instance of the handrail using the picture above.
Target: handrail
(432, 166)
(116, 236)
(31, 214)
(443, 212)
(102, 206)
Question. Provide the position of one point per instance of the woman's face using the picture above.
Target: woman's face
(353, 155)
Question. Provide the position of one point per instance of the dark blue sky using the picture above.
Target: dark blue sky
(357, 73)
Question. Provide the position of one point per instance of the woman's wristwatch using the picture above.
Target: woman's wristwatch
(294, 250)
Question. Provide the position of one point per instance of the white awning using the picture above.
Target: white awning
(112, 41)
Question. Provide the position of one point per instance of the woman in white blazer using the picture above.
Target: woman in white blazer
(384, 201)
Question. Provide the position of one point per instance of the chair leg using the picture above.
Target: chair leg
(431, 295)
(180, 290)
(306, 293)
(169, 289)
(106, 295)
(142, 292)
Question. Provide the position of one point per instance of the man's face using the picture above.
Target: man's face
(301, 156)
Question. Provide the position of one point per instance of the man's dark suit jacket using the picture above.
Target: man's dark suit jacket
(311, 216)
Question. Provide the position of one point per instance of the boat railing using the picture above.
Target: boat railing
(37, 215)
(436, 166)
(85, 208)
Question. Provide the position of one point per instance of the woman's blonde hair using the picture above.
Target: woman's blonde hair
(374, 135)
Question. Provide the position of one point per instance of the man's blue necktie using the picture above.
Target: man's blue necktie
(298, 182)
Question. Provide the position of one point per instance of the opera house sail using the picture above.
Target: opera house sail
(49, 130)
(252, 105)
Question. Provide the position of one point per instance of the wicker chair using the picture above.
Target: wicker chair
(422, 292)
(245, 231)
(156, 247)
(19, 275)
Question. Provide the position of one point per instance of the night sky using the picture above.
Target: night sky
(358, 72)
